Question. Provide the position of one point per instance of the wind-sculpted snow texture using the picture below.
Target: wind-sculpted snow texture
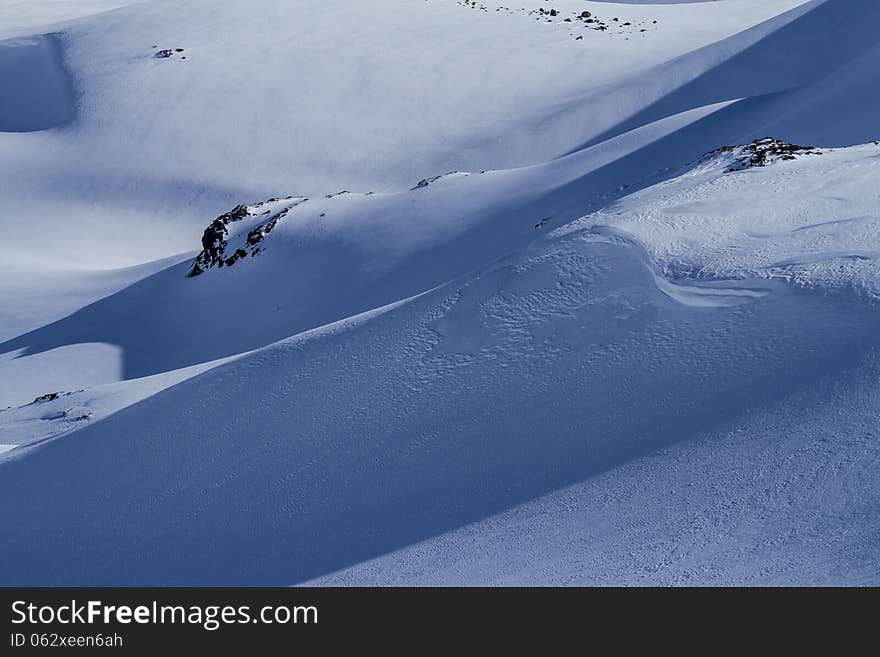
(630, 338)
(787, 221)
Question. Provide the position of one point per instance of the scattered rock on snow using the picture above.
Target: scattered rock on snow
(167, 52)
(761, 153)
(52, 396)
(427, 181)
(582, 19)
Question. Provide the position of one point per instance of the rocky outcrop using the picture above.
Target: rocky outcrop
(239, 233)
(760, 153)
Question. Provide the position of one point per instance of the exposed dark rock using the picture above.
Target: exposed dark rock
(49, 397)
(427, 181)
(762, 152)
(167, 52)
(216, 251)
(550, 15)
(214, 240)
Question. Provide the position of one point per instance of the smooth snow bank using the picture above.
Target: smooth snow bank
(37, 292)
(55, 413)
(360, 438)
(783, 495)
(766, 66)
(34, 294)
(26, 17)
(37, 89)
(839, 110)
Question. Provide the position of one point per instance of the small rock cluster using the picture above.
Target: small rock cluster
(167, 53)
(75, 414)
(425, 182)
(761, 153)
(52, 396)
(586, 20)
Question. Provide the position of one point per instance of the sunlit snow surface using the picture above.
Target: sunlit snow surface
(511, 323)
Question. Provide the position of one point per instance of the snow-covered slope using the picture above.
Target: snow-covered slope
(552, 367)
(22, 18)
(777, 492)
(493, 294)
(784, 495)
(416, 89)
